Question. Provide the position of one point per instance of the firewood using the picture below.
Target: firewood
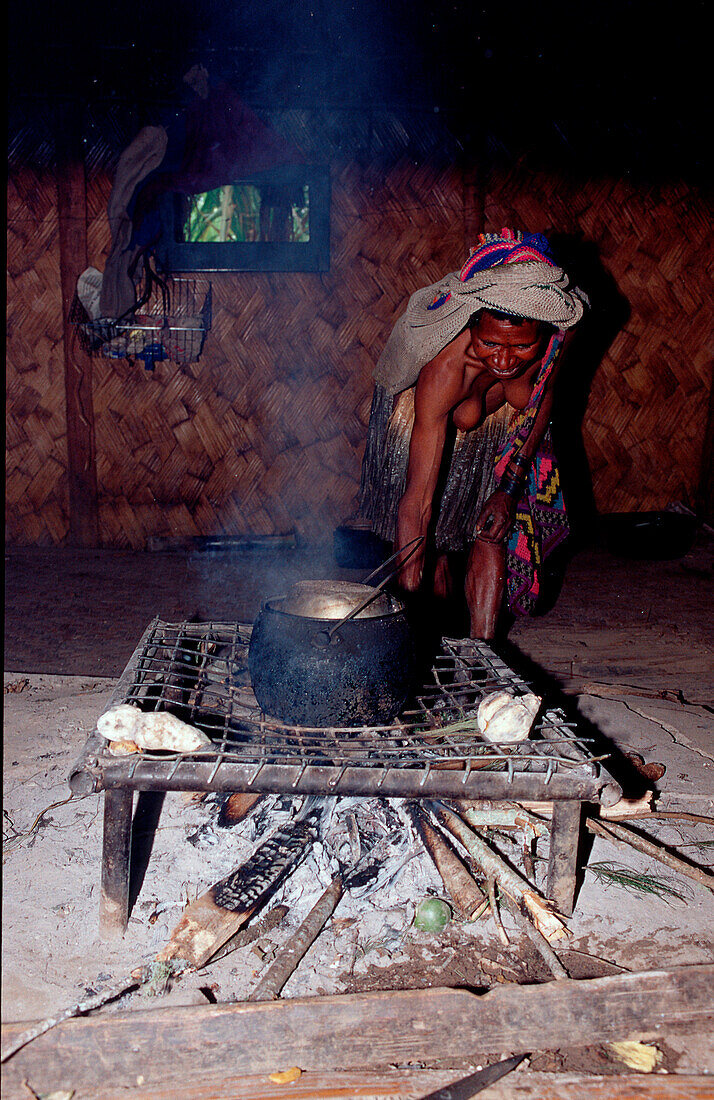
(299, 944)
(468, 899)
(289, 957)
(629, 807)
(236, 807)
(209, 921)
(502, 816)
(531, 904)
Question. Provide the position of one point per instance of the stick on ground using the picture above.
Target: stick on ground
(611, 831)
(539, 942)
(288, 959)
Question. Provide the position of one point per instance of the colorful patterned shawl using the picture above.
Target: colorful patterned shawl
(540, 523)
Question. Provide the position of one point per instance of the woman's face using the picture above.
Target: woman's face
(504, 349)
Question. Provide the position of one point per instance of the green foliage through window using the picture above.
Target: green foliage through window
(248, 212)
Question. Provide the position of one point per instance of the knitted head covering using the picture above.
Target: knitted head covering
(506, 248)
(506, 272)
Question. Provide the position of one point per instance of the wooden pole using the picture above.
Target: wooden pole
(116, 863)
(619, 834)
(81, 448)
(705, 490)
(563, 858)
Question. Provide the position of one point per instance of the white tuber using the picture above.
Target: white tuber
(155, 730)
(504, 718)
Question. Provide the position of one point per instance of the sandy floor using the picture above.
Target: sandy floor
(631, 644)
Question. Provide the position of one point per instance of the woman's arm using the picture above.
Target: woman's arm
(434, 397)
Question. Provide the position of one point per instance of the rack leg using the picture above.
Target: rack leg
(563, 859)
(116, 862)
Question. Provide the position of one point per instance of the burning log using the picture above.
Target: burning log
(530, 903)
(236, 807)
(211, 920)
(468, 899)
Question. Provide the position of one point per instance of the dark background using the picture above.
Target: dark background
(615, 87)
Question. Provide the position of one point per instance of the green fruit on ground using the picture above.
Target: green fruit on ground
(432, 915)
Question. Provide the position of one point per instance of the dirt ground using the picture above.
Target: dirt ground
(630, 644)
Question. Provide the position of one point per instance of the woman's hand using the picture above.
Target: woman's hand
(410, 574)
(496, 517)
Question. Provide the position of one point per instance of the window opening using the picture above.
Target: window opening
(247, 212)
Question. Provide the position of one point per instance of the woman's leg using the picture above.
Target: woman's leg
(485, 581)
(443, 577)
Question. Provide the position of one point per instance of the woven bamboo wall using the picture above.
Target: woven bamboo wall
(265, 433)
(647, 410)
(36, 500)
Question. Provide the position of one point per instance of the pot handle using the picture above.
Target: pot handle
(414, 544)
(412, 547)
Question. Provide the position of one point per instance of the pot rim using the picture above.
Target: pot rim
(268, 605)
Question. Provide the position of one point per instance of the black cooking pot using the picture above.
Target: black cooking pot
(320, 669)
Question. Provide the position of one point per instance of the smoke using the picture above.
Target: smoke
(337, 55)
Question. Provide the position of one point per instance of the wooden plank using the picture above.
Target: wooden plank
(81, 448)
(408, 1084)
(358, 1030)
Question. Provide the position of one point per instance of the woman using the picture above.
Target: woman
(458, 447)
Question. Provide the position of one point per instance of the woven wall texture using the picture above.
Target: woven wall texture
(265, 433)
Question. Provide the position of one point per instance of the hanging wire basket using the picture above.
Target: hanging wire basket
(170, 322)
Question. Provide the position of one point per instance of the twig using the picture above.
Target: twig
(611, 831)
(288, 959)
(596, 958)
(675, 815)
(539, 941)
(78, 1009)
(14, 841)
(493, 903)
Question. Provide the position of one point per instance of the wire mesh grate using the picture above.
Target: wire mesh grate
(199, 672)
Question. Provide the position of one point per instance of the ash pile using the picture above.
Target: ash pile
(340, 894)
